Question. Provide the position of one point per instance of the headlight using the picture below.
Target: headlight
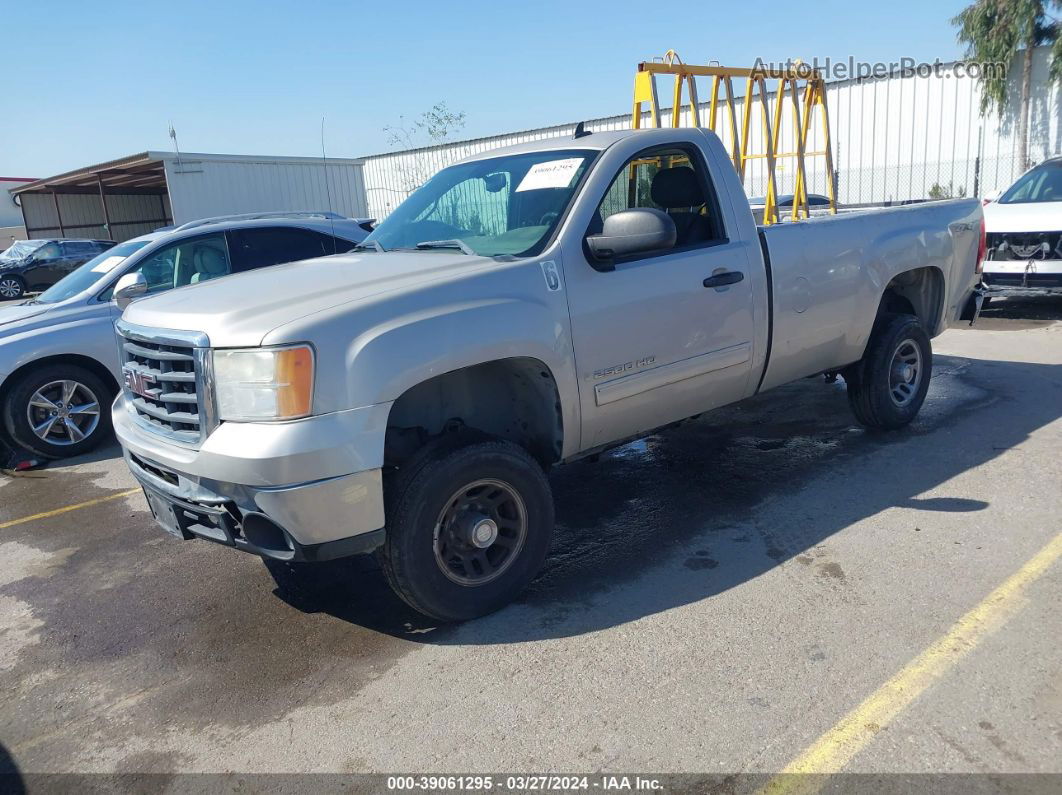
(264, 383)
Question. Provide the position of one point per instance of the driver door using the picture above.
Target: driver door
(44, 270)
(652, 343)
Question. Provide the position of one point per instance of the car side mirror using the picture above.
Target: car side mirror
(128, 287)
(635, 231)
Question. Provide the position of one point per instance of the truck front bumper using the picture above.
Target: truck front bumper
(222, 492)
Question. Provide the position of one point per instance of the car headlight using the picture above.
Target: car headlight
(264, 383)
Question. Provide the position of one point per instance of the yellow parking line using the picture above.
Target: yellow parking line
(809, 772)
(68, 508)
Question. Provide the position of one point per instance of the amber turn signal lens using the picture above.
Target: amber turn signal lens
(294, 377)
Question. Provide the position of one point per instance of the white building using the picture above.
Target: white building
(895, 139)
(124, 198)
(11, 227)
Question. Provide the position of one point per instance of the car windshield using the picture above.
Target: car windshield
(1042, 184)
(21, 249)
(91, 272)
(502, 205)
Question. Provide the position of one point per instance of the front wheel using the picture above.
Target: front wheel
(11, 287)
(887, 387)
(468, 527)
(58, 411)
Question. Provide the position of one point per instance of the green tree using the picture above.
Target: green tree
(995, 31)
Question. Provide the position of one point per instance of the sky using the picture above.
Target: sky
(86, 82)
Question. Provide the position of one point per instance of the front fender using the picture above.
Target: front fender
(90, 336)
(409, 350)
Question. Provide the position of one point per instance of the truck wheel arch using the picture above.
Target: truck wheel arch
(918, 292)
(516, 399)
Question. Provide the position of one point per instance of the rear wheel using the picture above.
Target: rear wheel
(11, 287)
(468, 527)
(58, 411)
(887, 387)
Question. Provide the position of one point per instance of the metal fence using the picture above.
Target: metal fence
(895, 139)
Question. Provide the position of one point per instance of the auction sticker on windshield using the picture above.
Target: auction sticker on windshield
(107, 265)
(551, 174)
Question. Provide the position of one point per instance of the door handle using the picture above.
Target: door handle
(723, 279)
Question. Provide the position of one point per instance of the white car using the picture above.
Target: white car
(1024, 234)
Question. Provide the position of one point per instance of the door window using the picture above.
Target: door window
(79, 249)
(672, 181)
(190, 261)
(259, 247)
(46, 252)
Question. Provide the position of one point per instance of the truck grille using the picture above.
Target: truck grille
(164, 385)
(1024, 245)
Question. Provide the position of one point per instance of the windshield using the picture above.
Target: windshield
(21, 249)
(1042, 184)
(91, 272)
(504, 205)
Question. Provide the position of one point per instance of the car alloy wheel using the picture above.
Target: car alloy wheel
(63, 412)
(10, 288)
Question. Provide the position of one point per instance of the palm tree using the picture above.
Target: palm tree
(994, 31)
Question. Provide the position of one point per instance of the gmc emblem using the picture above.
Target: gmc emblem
(138, 382)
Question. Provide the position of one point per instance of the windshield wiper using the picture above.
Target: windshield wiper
(454, 243)
(370, 244)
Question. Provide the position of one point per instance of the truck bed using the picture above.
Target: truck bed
(826, 276)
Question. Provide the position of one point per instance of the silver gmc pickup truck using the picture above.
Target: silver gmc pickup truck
(525, 307)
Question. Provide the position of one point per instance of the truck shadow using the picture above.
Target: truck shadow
(678, 517)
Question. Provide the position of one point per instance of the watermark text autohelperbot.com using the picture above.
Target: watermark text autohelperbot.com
(846, 68)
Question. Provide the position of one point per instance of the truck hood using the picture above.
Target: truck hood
(1029, 217)
(240, 310)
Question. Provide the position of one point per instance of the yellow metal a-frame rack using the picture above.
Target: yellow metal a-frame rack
(806, 90)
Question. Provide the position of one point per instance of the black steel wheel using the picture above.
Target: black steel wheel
(468, 527)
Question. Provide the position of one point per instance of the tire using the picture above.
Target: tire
(11, 288)
(882, 391)
(439, 524)
(71, 432)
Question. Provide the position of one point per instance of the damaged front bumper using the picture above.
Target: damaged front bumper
(282, 491)
(260, 521)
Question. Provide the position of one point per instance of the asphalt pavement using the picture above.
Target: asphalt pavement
(753, 590)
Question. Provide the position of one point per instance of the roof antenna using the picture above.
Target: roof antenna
(581, 131)
(176, 148)
(328, 191)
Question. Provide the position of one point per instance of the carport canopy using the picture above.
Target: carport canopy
(118, 199)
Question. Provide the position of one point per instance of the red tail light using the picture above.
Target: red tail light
(985, 201)
(982, 248)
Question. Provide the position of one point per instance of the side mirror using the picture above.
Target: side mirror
(635, 231)
(128, 287)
